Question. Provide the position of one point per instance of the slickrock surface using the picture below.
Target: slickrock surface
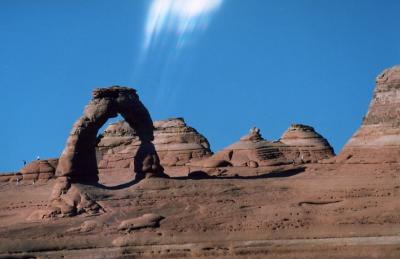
(305, 144)
(145, 221)
(176, 144)
(326, 211)
(378, 139)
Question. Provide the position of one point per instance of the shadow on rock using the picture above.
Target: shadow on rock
(136, 180)
(201, 175)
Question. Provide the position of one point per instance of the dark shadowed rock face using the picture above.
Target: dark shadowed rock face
(175, 142)
(303, 143)
(378, 138)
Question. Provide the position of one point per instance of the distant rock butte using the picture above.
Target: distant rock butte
(299, 144)
(378, 138)
(39, 170)
(176, 144)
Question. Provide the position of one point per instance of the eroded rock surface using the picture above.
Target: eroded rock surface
(378, 138)
(78, 163)
(251, 151)
(149, 220)
(40, 169)
(175, 142)
(299, 144)
(326, 210)
(303, 143)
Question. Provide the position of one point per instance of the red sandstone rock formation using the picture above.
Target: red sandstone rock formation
(78, 162)
(328, 210)
(40, 169)
(378, 138)
(304, 144)
(176, 144)
(251, 151)
(299, 144)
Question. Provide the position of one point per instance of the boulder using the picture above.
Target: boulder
(150, 220)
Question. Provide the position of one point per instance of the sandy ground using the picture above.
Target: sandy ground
(321, 211)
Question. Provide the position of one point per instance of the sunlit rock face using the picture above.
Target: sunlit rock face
(378, 138)
(299, 144)
(176, 143)
(303, 143)
(252, 150)
(39, 170)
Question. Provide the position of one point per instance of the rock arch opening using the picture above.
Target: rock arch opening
(78, 161)
(114, 168)
(77, 169)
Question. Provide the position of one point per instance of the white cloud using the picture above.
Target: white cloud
(180, 17)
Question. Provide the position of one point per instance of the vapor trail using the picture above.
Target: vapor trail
(170, 26)
(180, 17)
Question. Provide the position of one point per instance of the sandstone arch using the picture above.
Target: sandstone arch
(77, 168)
(78, 160)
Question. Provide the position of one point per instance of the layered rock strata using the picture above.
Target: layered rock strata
(39, 169)
(299, 144)
(251, 151)
(378, 138)
(303, 143)
(175, 142)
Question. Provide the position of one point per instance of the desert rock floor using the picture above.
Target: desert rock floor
(321, 211)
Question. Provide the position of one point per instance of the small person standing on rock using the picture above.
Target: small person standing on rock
(38, 158)
(24, 161)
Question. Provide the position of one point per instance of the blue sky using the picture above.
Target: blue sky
(236, 64)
